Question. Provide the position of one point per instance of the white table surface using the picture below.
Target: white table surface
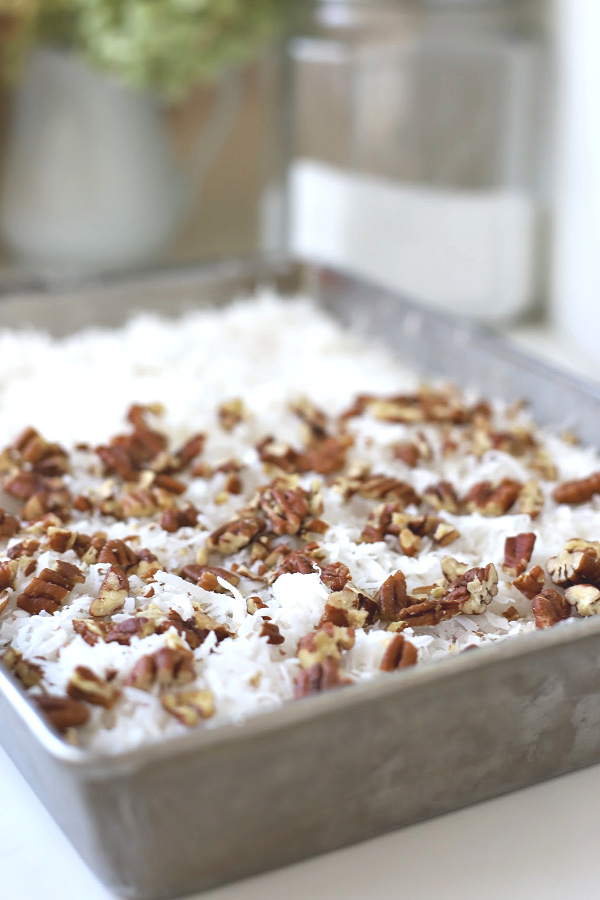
(537, 843)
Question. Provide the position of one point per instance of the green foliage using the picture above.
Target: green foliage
(162, 45)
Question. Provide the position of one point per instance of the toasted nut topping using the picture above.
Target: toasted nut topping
(531, 499)
(122, 632)
(284, 506)
(452, 568)
(488, 500)
(517, 553)
(320, 677)
(335, 576)
(579, 491)
(207, 577)
(63, 712)
(8, 573)
(231, 413)
(90, 631)
(113, 593)
(174, 519)
(272, 633)
(174, 666)
(392, 597)
(530, 583)
(399, 654)
(189, 707)
(28, 673)
(50, 588)
(328, 641)
(549, 608)
(474, 590)
(233, 536)
(143, 674)
(577, 563)
(586, 599)
(343, 608)
(86, 685)
(117, 553)
(442, 496)
(445, 534)
(410, 543)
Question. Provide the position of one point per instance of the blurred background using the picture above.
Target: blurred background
(444, 148)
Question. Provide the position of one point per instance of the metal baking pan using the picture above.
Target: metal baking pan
(212, 806)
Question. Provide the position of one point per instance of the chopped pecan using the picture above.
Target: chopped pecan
(196, 629)
(86, 685)
(474, 590)
(314, 419)
(189, 707)
(530, 583)
(8, 573)
(427, 612)
(577, 563)
(517, 553)
(231, 413)
(170, 484)
(47, 591)
(543, 465)
(343, 608)
(445, 534)
(320, 677)
(233, 536)
(28, 673)
(174, 519)
(399, 654)
(328, 641)
(549, 608)
(113, 593)
(452, 568)
(325, 457)
(277, 455)
(192, 448)
(174, 666)
(253, 604)
(116, 553)
(90, 631)
(410, 543)
(272, 633)
(335, 576)
(60, 539)
(63, 712)
(585, 597)
(143, 674)
(206, 577)
(511, 614)
(378, 523)
(384, 487)
(23, 548)
(284, 506)
(579, 491)
(392, 597)
(490, 500)
(9, 525)
(531, 499)
(122, 632)
(407, 452)
(442, 496)
(233, 484)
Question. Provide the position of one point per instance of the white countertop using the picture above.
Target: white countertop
(537, 843)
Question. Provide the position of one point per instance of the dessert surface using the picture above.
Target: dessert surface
(208, 517)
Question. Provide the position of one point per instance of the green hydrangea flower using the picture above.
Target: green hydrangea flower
(162, 45)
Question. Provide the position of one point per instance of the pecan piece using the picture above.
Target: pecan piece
(577, 563)
(549, 608)
(314, 419)
(173, 519)
(407, 452)
(325, 457)
(410, 543)
(277, 455)
(63, 712)
(335, 576)
(231, 413)
(343, 608)
(122, 632)
(531, 583)
(474, 590)
(517, 553)
(116, 553)
(320, 677)
(585, 597)
(392, 597)
(47, 591)
(442, 497)
(428, 612)
(90, 631)
(9, 525)
(445, 534)
(113, 593)
(272, 633)
(86, 685)
(579, 491)
(285, 507)
(233, 536)
(490, 500)
(206, 577)
(189, 707)
(143, 674)
(28, 673)
(8, 573)
(23, 548)
(328, 641)
(452, 568)
(399, 654)
(531, 499)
